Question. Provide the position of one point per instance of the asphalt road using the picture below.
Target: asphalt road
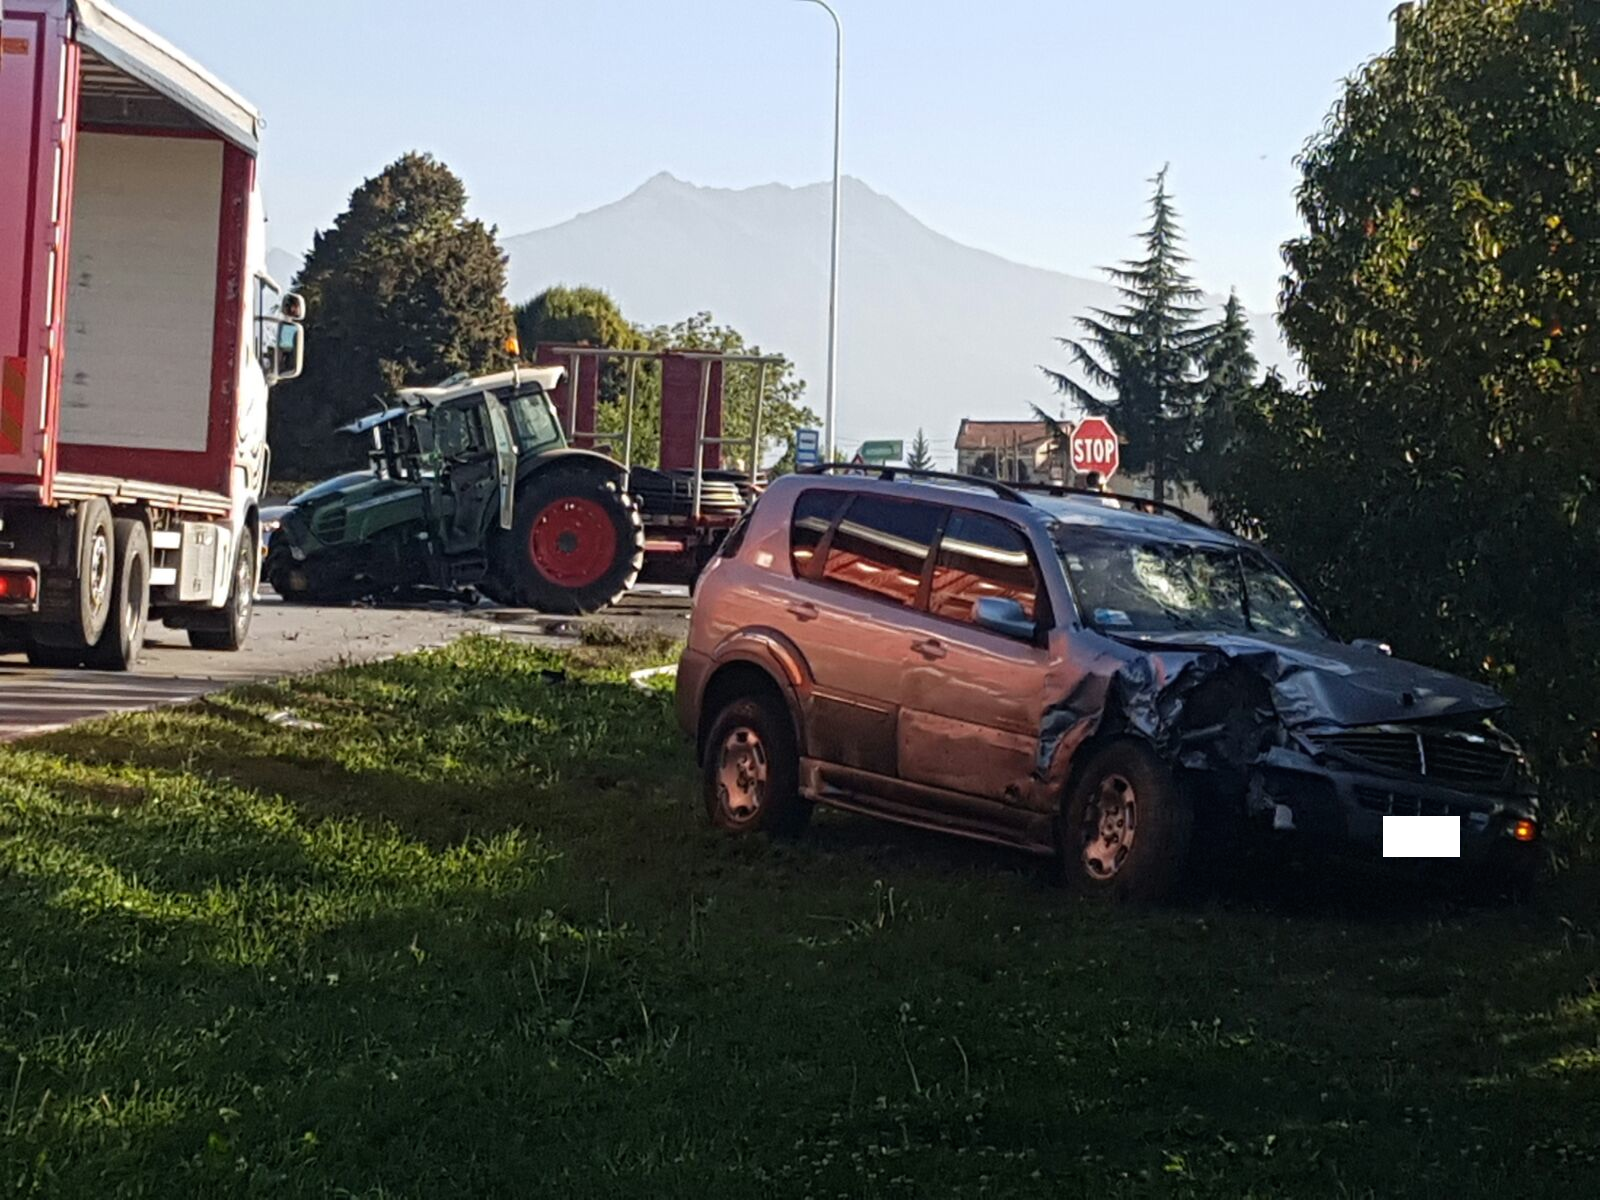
(285, 640)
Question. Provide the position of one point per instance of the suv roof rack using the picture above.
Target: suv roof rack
(1007, 490)
(889, 474)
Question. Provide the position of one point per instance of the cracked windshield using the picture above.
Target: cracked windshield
(1132, 585)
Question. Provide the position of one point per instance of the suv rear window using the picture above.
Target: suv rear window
(979, 558)
(881, 547)
(814, 514)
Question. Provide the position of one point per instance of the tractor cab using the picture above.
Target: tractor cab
(473, 486)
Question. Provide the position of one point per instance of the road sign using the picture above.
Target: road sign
(807, 448)
(879, 453)
(1095, 448)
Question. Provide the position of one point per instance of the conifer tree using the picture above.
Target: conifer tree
(1142, 360)
(921, 457)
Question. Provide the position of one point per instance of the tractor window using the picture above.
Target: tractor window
(533, 422)
(457, 433)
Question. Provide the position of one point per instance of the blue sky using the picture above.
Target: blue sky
(1026, 127)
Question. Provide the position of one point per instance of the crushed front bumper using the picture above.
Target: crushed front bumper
(1343, 808)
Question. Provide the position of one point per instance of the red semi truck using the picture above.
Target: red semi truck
(140, 334)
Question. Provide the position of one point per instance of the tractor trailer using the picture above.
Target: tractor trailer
(140, 334)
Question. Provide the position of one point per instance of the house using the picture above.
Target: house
(1015, 450)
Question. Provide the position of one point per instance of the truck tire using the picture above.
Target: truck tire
(64, 643)
(122, 641)
(576, 546)
(1125, 826)
(227, 629)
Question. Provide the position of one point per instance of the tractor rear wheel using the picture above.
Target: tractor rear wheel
(576, 546)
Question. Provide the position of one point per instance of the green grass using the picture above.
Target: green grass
(474, 937)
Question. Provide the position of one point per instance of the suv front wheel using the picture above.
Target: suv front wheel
(1125, 826)
(751, 773)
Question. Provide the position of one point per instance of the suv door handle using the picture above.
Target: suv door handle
(931, 648)
(803, 610)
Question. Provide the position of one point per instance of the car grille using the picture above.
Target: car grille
(1441, 755)
(1396, 804)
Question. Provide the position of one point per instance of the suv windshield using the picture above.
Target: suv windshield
(1129, 584)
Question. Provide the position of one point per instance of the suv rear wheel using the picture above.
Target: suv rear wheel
(751, 774)
(1125, 826)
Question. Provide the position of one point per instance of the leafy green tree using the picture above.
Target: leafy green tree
(583, 316)
(921, 456)
(1230, 375)
(404, 289)
(579, 316)
(1142, 360)
(1437, 475)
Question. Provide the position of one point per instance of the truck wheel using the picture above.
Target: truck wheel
(577, 544)
(1125, 826)
(96, 565)
(227, 629)
(122, 641)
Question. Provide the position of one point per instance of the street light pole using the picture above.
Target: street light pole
(833, 272)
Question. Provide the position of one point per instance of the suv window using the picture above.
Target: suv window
(981, 557)
(814, 514)
(881, 547)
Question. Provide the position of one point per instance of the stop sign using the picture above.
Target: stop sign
(1094, 448)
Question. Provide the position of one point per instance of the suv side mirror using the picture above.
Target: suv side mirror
(999, 615)
(1373, 644)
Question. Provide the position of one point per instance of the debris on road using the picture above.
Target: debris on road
(641, 679)
(285, 719)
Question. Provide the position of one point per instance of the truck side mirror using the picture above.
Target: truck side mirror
(291, 352)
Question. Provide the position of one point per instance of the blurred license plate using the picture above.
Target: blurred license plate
(1422, 837)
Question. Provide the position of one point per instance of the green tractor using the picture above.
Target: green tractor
(473, 486)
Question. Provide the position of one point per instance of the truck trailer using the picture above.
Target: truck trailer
(140, 334)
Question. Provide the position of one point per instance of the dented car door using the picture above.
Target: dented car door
(972, 698)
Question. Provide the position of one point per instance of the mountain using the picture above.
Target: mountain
(930, 330)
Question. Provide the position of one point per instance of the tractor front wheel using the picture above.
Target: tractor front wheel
(576, 546)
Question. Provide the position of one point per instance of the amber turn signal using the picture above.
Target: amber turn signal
(1524, 830)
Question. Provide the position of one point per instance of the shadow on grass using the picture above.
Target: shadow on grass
(473, 937)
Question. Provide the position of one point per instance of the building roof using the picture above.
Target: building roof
(981, 435)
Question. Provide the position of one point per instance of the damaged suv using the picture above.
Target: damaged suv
(1076, 674)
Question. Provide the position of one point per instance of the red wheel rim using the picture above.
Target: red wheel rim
(573, 542)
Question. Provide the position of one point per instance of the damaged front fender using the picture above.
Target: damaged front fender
(1225, 702)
